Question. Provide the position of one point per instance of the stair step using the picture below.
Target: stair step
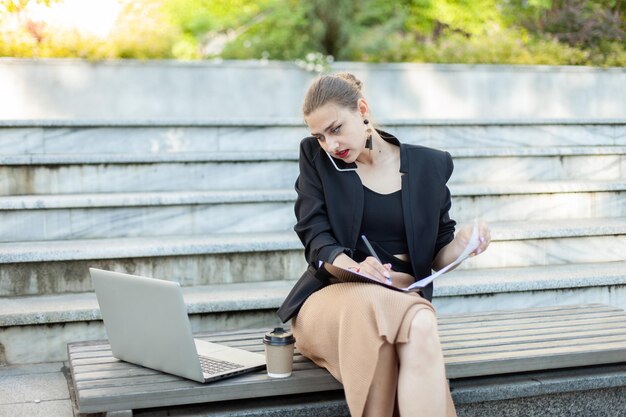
(37, 329)
(117, 215)
(140, 137)
(56, 267)
(553, 242)
(504, 288)
(532, 278)
(557, 167)
(543, 187)
(50, 267)
(66, 308)
(93, 216)
(272, 156)
(66, 250)
(178, 198)
(165, 176)
(147, 199)
(62, 250)
(96, 173)
(24, 320)
(65, 136)
(538, 201)
(551, 229)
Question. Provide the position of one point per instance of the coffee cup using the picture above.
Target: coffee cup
(279, 345)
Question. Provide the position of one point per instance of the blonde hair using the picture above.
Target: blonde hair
(341, 88)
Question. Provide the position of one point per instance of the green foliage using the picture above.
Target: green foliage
(469, 17)
(282, 31)
(314, 32)
(140, 32)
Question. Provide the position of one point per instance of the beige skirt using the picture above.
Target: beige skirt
(343, 326)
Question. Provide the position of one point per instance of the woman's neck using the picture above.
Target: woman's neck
(381, 151)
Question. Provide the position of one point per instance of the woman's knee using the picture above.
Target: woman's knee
(423, 326)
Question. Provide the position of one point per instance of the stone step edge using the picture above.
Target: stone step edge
(122, 248)
(291, 156)
(141, 247)
(481, 281)
(145, 199)
(179, 198)
(63, 308)
(297, 122)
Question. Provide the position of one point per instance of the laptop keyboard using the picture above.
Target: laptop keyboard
(212, 366)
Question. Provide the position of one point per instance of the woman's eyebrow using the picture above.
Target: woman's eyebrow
(327, 128)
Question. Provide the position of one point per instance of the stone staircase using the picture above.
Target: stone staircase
(210, 205)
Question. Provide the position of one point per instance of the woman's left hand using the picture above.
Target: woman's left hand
(484, 237)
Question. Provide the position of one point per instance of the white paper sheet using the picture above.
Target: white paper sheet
(471, 247)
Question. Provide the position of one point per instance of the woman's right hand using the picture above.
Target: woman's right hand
(374, 269)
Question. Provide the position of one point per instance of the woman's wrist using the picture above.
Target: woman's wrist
(345, 262)
(448, 254)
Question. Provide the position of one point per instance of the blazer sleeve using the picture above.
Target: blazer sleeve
(313, 226)
(445, 233)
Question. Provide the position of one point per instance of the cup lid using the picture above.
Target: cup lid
(279, 337)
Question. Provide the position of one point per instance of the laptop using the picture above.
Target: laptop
(147, 324)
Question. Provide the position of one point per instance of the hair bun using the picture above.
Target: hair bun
(351, 79)
(342, 88)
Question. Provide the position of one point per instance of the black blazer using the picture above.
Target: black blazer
(329, 209)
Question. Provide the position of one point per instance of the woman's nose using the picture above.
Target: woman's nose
(332, 144)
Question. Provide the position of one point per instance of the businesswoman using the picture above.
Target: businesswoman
(382, 345)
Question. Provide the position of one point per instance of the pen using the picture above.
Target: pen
(373, 253)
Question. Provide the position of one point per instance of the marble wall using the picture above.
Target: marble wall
(74, 89)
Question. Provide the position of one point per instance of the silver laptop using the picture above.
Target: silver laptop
(147, 324)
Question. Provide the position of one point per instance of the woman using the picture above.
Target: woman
(382, 345)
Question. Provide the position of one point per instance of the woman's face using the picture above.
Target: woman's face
(340, 131)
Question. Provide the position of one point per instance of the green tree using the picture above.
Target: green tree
(572, 32)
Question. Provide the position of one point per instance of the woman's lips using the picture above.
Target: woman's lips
(343, 153)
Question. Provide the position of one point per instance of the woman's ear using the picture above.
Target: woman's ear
(362, 106)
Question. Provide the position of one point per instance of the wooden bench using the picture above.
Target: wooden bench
(490, 343)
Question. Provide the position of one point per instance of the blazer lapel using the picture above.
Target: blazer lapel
(357, 200)
(410, 205)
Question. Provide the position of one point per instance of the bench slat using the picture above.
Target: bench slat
(162, 395)
(550, 337)
(504, 321)
(543, 359)
(528, 346)
(555, 328)
(103, 373)
(528, 312)
(576, 322)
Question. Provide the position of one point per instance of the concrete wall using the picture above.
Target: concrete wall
(74, 89)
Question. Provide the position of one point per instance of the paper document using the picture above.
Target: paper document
(345, 275)
(471, 247)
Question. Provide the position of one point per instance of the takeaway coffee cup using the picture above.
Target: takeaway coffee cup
(279, 345)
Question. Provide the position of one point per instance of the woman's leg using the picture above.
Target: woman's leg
(422, 384)
(381, 397)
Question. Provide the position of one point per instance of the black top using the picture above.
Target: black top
(383, 224)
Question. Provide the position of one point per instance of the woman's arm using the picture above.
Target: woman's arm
(452, 250)
(313, 226)
(450, 246)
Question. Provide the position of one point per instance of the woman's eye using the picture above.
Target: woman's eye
(336, 130)
(320, 138)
